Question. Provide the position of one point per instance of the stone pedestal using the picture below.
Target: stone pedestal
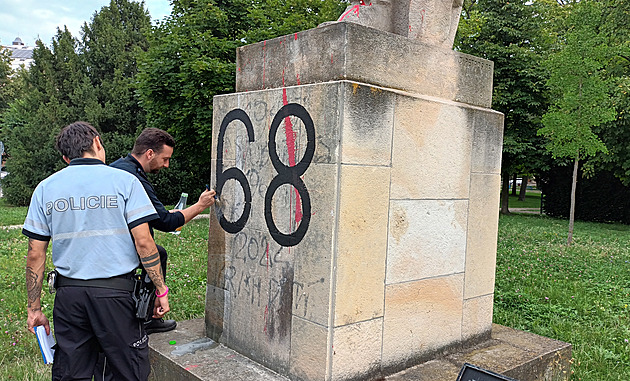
(359, 178)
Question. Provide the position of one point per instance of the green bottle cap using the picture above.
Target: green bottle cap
(172, 342)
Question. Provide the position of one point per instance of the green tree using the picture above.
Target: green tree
(581, 92)
(192, 58)
(616, 134)
(111, 43)
(56, 92)
(512, 35)
(92, 79)
(6, 95)
(11, 83)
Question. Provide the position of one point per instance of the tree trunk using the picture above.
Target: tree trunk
(523, 191)
(514, 184)
(572, 210)
(505, 193)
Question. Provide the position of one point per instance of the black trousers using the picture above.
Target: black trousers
(90, 320)
(102, 370)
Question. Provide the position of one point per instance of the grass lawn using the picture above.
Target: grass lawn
(532, 200)
(10, 215)
(578, 294)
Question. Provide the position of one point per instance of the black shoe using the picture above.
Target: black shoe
(159, 325)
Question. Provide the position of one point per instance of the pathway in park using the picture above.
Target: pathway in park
(526, 210)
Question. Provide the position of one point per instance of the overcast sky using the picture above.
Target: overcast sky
(33, 19)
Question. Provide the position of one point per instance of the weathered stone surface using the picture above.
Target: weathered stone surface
(432, 370)
(348, 51)
(483, 225)
(362, 243)
(421, 317)
(195, 357)
(367, 125)
(431, 150)
(477, 316)
(526, 340)
(268, 277)
(431, 22)
(217, 313)
(309, 350)
(260, 303)
(217, 250)
(228, 152)
(521, 355)
(427, 238)
(375, 14)
(314, 255)
(325, 108)
(487, 140)
(357, 351)
(396, 215)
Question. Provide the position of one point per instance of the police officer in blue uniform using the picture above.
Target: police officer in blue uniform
(97, 219)
(151, 152)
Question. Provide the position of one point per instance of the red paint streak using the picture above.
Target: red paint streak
(354, 9)
(331, 58)
(295, 35)
(290, 135)
(298, 79)
(191, 367)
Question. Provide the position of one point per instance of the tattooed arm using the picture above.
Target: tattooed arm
(35, 265)
(150, 260)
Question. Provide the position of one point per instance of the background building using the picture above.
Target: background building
(21, 55)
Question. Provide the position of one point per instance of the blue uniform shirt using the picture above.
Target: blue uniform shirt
(88, 210)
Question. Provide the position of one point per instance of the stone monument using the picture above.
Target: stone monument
(432, 22)
(358, 172)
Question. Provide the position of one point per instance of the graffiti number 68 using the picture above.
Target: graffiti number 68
(286, 174)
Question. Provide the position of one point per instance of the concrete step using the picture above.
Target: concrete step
(187, 354)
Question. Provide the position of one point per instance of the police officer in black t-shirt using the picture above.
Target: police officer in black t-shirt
(151, 152)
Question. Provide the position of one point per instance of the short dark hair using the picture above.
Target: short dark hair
(75, 139)
(152, 138)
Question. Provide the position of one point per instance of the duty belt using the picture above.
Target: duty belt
(116, 283)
